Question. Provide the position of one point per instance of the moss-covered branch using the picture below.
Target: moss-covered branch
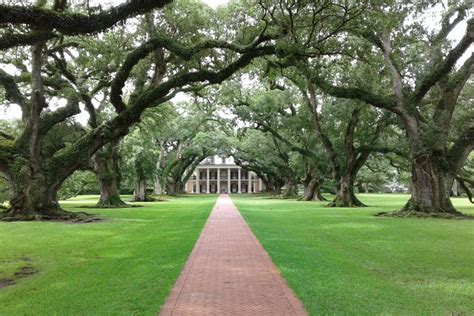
(383, 102)
(70, 159)
(440, 70)
(49, 120)
(459, 152)
(447, 25)
(183, 51)
(6, 155)
(15, 40)
(12, 92)
(76, 23)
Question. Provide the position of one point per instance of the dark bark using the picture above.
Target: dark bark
(345, 196)
(290, 189)
(312, 190)
(23, 158)
(175, 187)
(431, 181)
(432, 168)
(271, 185)
(140, 194)
(318, 196)
(107, 170)
(75, 23)
(35, 198)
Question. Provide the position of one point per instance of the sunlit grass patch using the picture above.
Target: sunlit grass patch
(125, 265)
(346, 261)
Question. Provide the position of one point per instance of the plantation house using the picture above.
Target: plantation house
(221, 175)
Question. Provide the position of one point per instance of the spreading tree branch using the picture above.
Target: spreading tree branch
(76, 23)
(12, 92)
(440, 70)
(459, 152)
(14, 40)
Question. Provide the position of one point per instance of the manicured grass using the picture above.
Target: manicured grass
(348, 262)
(123, 266)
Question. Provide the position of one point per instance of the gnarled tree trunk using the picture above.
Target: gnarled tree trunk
(290, 190)
(175, 187)
(429, 186)
(345, 196)
(158, 189)
(140, 194)
(312, 191)
(107, 170)
(34, 197)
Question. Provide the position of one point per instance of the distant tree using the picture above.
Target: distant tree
(410, 71)
(193, 57)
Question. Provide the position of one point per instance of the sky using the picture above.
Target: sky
(13, 112)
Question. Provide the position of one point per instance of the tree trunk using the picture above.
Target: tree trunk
(272, 188)
(140, 194)
(345, 196)
(158, 189)
(290, 190)
(309, 190)
(175, 187)
(312, 191)
(35, 198)
(454, 188)
(276, 190)
(107, 170)
(171, 188)
(366, 187)
(180, 187)
(429, 187)
(317, 192)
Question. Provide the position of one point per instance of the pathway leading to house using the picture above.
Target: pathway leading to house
(229, 273)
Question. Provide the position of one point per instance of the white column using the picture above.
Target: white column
(239, 181)
(228, 180)
(218, 180)
(208, 185)
(259, 185)
(249, 185)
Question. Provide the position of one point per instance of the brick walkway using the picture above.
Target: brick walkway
(229, 273)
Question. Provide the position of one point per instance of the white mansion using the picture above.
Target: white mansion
(221, 175)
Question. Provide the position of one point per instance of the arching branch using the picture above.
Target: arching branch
(76, 23)
(15, 40)
(12, 93)
(442, 69)
(459, 152)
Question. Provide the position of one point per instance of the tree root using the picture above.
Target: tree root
(59, 215)
(417, 214)
(338, 202)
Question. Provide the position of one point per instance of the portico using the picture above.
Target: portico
(222, 175)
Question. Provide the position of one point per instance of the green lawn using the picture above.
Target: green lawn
(347, 262)
(126, 265)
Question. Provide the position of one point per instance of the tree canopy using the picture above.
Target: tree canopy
(327, 94)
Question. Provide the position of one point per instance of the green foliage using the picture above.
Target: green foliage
(5, 190)
(81, 182)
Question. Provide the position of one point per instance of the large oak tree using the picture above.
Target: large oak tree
(201, 58)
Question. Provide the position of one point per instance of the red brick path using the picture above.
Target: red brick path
(229, 273)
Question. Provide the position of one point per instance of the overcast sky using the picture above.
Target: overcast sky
(431, 19)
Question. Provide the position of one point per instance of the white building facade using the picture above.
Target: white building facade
(221, 175)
